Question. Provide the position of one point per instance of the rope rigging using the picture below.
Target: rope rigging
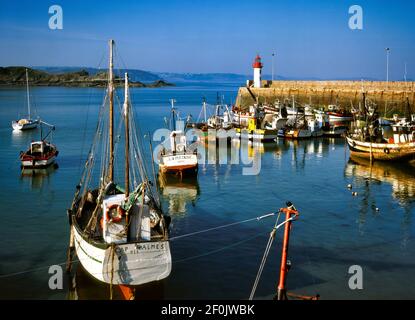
(258, 218)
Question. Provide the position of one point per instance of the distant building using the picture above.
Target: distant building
(257, 65)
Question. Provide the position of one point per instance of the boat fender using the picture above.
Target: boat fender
(354, 144)
(114, 213)
(386, 150)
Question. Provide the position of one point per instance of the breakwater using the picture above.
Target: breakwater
(389, 96)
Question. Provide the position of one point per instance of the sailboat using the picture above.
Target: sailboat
(26, 123)
(179, 158)
(118, 230)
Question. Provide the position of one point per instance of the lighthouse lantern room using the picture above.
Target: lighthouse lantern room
(257, 65)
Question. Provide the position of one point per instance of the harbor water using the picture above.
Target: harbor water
(374, 229)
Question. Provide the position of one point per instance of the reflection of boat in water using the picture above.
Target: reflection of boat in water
(38, 175)
(178, 193)
(38, 172)
(401, 176)
(82, 286)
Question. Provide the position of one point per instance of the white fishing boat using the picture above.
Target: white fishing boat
(26, 123)
(118, 230)
(178, 158)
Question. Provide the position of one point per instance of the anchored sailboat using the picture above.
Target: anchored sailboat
(26, 123)
(119, 232)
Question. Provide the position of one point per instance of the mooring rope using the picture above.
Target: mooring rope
(173, 238)
(223, 226)
(266, 253)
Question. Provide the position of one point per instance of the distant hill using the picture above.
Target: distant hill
(220, 77)
(16, 76)
(134, 74)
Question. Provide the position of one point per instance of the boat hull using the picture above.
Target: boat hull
(38, 162)
(185, 163)
(381, 151)
(132, 264)
(295, 134)
(24, 126)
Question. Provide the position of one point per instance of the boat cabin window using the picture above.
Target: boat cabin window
(36, 147)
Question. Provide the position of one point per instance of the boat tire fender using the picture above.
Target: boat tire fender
(386, 150)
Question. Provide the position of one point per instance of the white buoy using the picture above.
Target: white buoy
(349, 186)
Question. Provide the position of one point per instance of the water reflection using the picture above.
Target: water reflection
(82, 286)
(400, 176)
(23, 138)
(178, 193)
(39, 176)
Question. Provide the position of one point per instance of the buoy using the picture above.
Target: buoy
(354, 194)
(377, 209)
(349, 186)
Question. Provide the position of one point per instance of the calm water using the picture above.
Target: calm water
(335, 229)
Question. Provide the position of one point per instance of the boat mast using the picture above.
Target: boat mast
(204, 109)
(27, 92)
(172, 113)
(127, 138)
(111, 115)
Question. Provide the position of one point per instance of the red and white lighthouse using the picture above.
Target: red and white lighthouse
(257, 65)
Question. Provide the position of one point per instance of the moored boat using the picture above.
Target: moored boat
(26, 123)
(118, 230)
(369, 141)
(337, 114)
(179, 158)
(40, 154)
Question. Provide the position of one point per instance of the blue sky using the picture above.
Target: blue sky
(310, 38)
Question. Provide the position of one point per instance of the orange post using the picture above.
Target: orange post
(289, 213)
(127, 292)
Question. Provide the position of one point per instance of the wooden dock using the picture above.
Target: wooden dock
(391, 96)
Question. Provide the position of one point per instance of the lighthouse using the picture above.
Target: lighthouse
(257, 65)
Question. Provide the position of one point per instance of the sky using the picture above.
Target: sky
(309, 38)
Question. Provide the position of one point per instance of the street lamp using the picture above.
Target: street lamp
(387, 64)
(273, 55)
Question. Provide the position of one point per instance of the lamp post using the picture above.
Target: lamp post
(387, 65)
(273, 55)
